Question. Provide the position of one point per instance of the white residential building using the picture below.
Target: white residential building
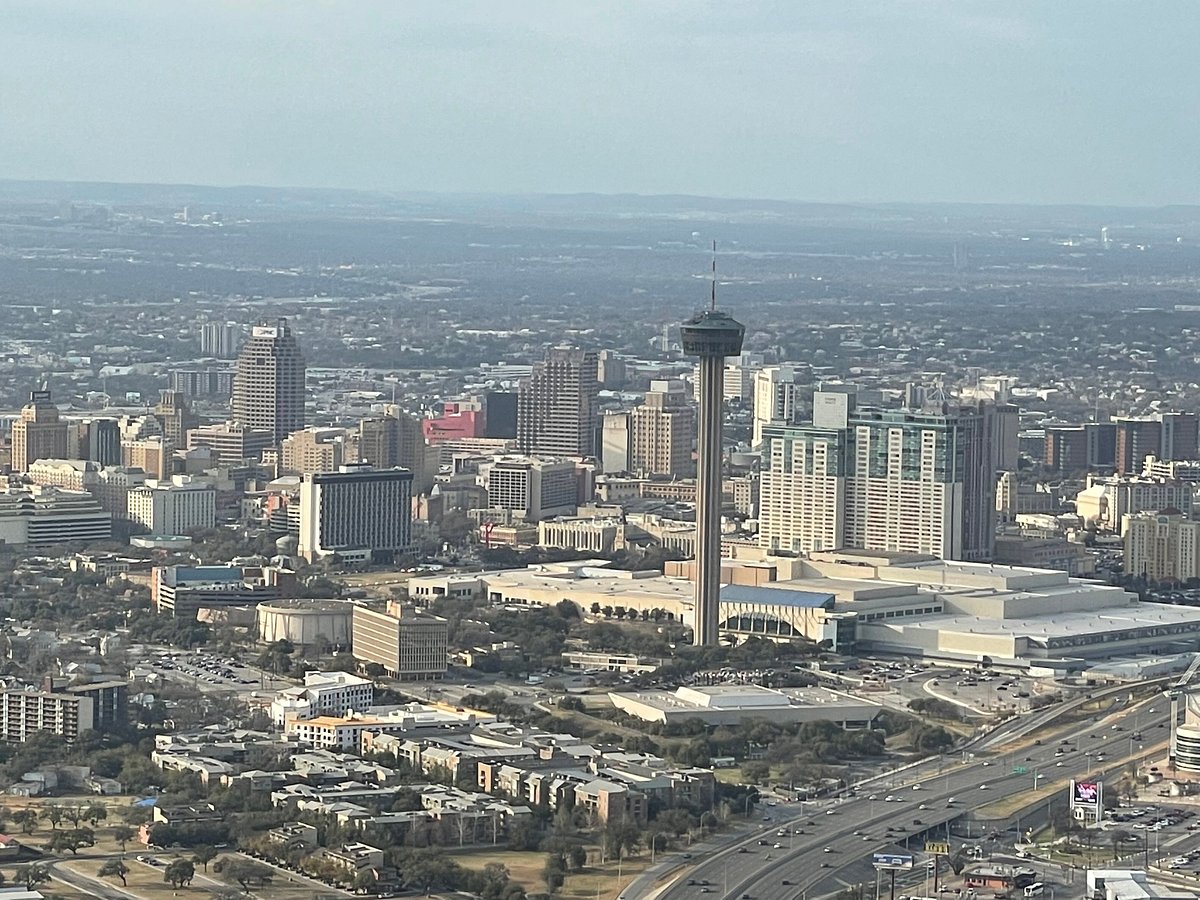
(178, 506)
(323, 694)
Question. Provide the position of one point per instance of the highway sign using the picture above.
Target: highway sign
(891, 861)
(937, 848)
(1020, 770)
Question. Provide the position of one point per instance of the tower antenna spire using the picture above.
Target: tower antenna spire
(713, 304)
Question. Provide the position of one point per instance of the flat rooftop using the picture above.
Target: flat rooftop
(1062, 624)
(746, 697)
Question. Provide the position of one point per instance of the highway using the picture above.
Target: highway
(801, 866)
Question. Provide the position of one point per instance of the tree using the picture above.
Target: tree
(365, 880)
(71, 840)
(554, 873)
(374, 670)
(123, 834)
(578, 856)
(204, 854)
(27, 819)
(245, 872)
(1119, 837)
(96, 813)
(179, 872)
(114, 867)
(756, 771)
(32, 874)
(53, 813)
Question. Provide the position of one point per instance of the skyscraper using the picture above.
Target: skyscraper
(395, 439)
(556, 406)
(776, 399)
(176, 417)
(711, 335)
(268, 383)
(360, 512)
(1137, 438)
(218, 339)
(1179, 436)
(897, 480)
(38, 433)
(661, 432)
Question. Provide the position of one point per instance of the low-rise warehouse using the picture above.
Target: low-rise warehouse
(732, 704)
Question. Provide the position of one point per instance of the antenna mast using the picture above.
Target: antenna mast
(714, 277)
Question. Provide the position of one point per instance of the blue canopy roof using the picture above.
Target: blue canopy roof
(777, 596)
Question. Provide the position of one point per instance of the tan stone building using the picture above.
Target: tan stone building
(38, 433)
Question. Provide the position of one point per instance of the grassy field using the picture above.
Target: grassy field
(525, 867)
(147, 881)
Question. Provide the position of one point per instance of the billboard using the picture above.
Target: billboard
(891, 861)
(1087, 795)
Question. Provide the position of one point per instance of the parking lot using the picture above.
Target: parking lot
(214, 672)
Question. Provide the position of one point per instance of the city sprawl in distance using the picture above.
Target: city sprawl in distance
(501, 534)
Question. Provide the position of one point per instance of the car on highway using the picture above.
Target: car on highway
(827, 850)
(983, 787)
(778, 846)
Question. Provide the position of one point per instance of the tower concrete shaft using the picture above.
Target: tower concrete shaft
(708, 501)
(712, 335)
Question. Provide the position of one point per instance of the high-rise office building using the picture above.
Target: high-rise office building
(1101, 444)
(661, 431)
(1179, 436)
(531, 489)
(897, 480)
(98, 440)
(358, 512)
(312, 450)
(219, 339)
(776, 399)
(616, 442)
(268, 383)
(175, 417)
(1137, 438)
(152, 455)
(713, 336)
(556, 405)
(206, 382)
(230, 442)
(1066, 448)
(38, 433)
(611, 370)
(500, 414)
(395, 439)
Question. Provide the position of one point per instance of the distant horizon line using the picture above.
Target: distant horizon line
(400, 193)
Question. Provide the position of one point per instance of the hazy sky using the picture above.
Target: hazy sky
(1089, 101)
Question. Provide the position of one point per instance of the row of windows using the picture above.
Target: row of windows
(900, 613)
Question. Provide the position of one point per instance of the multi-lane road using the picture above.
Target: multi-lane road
(837, 838)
